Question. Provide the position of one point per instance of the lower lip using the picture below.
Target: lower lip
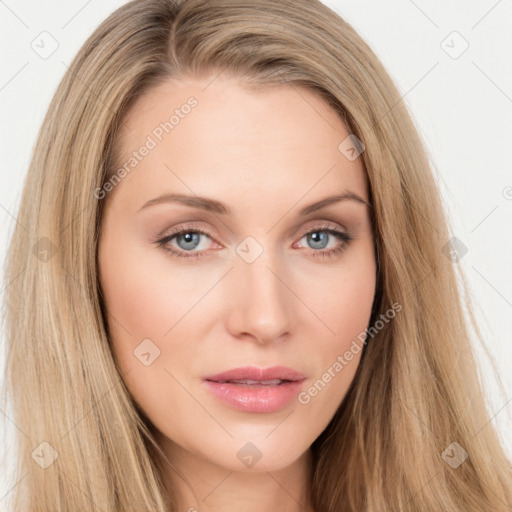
(255, 398)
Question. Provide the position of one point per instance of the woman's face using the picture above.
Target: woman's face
(243, 285)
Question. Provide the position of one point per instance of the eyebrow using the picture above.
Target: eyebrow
(212, 205)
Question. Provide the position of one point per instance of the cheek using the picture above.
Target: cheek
(342, 295)
(145, 297)
(343, 310)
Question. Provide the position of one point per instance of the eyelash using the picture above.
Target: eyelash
(343, 236)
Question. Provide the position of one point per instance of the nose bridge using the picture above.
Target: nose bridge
(261, 304)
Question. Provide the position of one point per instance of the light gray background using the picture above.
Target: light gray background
(462, 107)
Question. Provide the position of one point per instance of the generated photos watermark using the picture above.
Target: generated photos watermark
(152, 140)
(304, 397)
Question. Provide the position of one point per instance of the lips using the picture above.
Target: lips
(252, 375)
(256, 390)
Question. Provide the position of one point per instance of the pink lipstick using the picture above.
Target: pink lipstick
(253, 389)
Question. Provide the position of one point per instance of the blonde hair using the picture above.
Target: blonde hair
(416, 390)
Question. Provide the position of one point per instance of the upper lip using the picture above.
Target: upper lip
(255, 373)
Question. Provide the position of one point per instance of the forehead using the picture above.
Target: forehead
(214, 136)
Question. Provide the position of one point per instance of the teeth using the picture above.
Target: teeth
(249, 382)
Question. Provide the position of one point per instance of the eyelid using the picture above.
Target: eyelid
(187, 226)
(315, 225)
(319, 225)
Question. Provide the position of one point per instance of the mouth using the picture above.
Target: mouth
(252, 375)
(262, 391)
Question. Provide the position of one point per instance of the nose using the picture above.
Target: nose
(261, 304)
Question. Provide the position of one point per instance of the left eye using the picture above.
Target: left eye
(187, 240)
(319, 239)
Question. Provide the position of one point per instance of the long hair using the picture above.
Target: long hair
(83, 444)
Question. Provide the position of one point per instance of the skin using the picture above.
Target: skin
(265, 155)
